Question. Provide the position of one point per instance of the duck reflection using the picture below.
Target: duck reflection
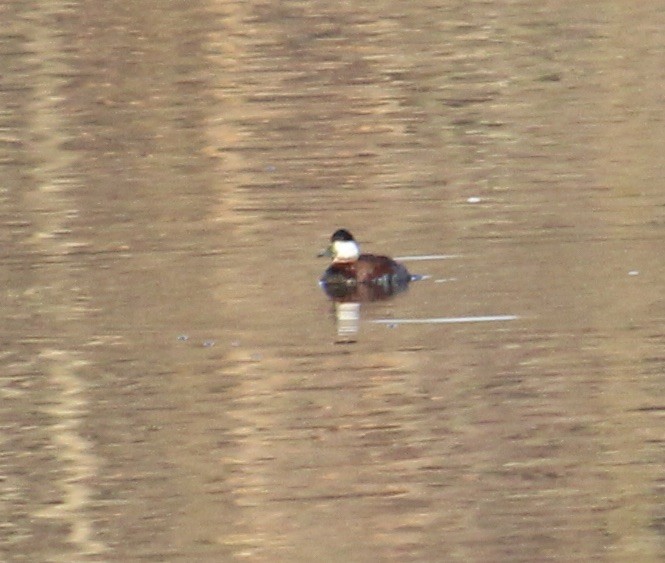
(353, 278)
(364, 292)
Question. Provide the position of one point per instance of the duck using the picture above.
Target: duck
(351, 268)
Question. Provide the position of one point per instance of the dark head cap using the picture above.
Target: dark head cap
(341, 234)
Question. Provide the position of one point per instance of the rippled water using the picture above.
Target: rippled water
(170, 380)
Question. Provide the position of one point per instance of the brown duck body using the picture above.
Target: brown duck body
(366, 269)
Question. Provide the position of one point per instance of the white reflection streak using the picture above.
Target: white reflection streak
(446, 320)
(52, 173)
(423, 257)
(72, 450)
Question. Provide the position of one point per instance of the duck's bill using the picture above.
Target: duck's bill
(327, 253)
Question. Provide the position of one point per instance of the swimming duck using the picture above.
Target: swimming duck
(349, 267)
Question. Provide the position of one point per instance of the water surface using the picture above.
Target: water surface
(171, 386)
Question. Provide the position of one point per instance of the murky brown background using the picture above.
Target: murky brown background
(170, 385)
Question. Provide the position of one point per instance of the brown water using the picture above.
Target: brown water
(170, 385)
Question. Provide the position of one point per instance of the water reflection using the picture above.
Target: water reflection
(347, 316)
(365, 292)
(348, 297)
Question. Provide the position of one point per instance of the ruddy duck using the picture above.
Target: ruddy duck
(350, 268)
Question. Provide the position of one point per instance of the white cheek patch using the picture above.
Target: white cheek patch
(345, 250)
